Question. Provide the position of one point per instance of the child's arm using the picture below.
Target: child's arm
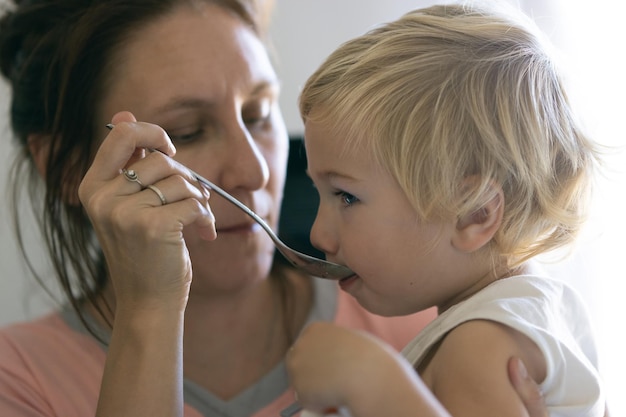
(331, 366)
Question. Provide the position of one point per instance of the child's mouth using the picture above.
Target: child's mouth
(344, 283)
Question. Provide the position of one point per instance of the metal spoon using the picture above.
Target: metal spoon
(306, 263)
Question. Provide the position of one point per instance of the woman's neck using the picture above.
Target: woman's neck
(232, 342)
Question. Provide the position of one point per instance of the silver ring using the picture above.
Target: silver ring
(131, 176)
(158, 193)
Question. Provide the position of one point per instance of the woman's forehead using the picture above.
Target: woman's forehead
(212, 55)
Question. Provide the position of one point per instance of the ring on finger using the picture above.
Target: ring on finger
(159, 193)
(131, 176)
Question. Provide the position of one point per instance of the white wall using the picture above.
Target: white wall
(306, 31)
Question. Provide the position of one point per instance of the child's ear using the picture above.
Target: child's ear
(476, 229)
(39, 147)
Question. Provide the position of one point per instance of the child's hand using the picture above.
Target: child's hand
(331, 367)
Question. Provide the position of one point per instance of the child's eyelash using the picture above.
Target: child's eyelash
(347, 198)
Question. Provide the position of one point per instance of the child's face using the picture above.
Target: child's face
(365, 221)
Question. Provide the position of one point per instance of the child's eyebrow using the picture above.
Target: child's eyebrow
(333, 175)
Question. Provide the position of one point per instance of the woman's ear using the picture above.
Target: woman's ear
(39, 147)
(476, 229)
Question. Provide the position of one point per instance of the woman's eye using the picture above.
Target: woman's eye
(346, 198)
(257, 119)
(183, 138)
(257, 114)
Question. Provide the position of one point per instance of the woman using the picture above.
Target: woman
(216, 334)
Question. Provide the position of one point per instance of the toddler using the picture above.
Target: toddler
(447, 156)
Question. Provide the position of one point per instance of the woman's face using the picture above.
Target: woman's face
(205, 77)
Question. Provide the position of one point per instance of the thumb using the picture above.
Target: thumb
(123, 116)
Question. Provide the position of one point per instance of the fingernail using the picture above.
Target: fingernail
(522, 368)
(110, 126)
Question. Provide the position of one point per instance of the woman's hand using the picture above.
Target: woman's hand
(141, 237)
(140, 230)
(527, 389)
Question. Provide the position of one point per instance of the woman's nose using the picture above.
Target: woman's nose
(246, 166)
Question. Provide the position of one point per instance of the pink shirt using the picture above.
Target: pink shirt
(48, 368)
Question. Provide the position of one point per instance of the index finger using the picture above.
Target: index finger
(125, 143)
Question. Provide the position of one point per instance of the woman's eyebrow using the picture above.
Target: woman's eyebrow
(271, 86)
(185, 102)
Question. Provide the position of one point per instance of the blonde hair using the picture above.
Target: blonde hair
(453, 92)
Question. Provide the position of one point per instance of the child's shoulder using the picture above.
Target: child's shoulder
(541, 320)
(468, 367)
(487, 345)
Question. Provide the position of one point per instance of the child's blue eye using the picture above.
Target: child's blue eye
(346, 198)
